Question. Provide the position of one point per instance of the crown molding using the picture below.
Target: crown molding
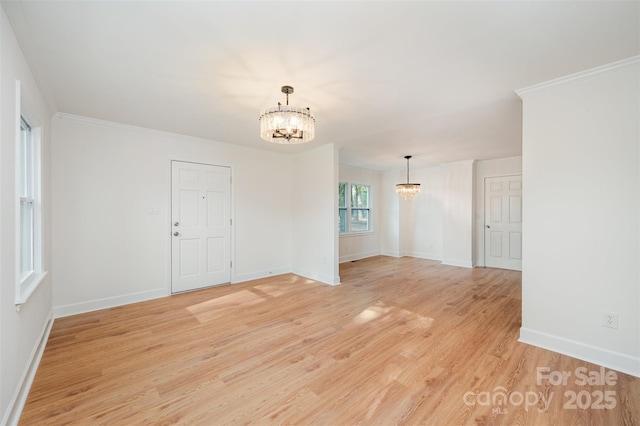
(107, 123)
(596, 72)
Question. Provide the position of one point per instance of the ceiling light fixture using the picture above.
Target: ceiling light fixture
(407, 190)
(287, 124)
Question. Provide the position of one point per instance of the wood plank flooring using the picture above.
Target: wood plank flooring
(401, 341)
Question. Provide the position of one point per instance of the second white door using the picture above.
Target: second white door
(503, 222)
(200, 226)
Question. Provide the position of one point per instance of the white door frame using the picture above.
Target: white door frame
(484, 211)
(170, 225)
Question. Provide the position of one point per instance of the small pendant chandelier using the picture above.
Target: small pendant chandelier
(287, 124)
(407, 190)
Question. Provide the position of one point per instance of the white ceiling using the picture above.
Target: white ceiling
(384, 79)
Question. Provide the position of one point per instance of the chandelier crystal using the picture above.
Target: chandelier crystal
(287, 124)
(407, 190)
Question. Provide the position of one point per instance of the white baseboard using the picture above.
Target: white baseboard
(260, 274)
(109, 302)
(14, 410)
(324, 279)
(613, 360)
(419, 255)
(428, 256)
(333, 281)
(458, 262)
(358, 256)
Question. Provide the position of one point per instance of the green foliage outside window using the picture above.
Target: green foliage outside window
(357, 209)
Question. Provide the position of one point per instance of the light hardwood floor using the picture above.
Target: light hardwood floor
(401, 341)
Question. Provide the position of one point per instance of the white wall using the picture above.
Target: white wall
(416, 227)
(438, 218)
(581, 209)
(485, 169)
(367, 244)
(422, 224)
(390, 214)
(315, 214)
(457, 213)
(109, 251)
(20, 332)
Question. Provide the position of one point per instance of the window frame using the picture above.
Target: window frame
(27, 199)
(28, 190)
(349, 208)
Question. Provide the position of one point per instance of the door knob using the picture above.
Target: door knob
(488, 227)
(175, 234)
(176, 223)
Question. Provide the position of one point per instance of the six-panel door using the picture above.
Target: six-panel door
(503, 222)
(200, 226)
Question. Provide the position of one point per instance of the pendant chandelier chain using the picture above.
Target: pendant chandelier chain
(408, 190)
(408, 169)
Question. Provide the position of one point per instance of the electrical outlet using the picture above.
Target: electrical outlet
(610, 319)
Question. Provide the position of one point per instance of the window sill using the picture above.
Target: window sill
(356, 234)
(27, 289)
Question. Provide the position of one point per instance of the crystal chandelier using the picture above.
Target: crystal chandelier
(408, 190)
(287, 124)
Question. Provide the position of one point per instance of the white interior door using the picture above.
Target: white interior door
(503, 222)
(200, 226)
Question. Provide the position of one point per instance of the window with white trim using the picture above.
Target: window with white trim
(27, 200)
(29, 245)
(354, 210)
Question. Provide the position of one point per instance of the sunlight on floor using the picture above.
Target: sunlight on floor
(273, 290)
(403, 317)
(215, 308)
(371, 313)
